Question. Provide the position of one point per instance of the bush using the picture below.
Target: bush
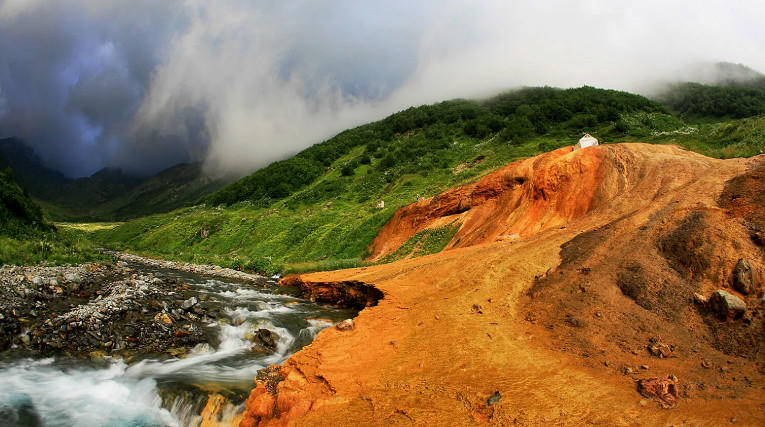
(621, 126)
(349, 168)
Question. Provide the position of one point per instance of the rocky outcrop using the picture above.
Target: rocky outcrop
(522, 198)
(348, 294)
(663, 390)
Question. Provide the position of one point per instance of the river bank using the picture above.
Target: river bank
(102, 309)
(142, 341)
(203, 269)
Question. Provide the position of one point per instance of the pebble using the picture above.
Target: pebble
(494, 399)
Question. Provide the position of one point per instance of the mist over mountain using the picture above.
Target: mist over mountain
(725, 74)
(144, 85)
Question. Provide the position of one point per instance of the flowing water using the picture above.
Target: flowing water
(170, 391)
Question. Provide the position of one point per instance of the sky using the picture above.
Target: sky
(145, 84)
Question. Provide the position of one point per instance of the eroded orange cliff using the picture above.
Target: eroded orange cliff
(605, 287)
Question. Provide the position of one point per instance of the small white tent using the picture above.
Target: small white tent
(586, 141)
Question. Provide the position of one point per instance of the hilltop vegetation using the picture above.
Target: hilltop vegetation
(724, 91)
(696, 101)
(422, 139)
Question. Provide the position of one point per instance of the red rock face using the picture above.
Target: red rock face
(522, 198)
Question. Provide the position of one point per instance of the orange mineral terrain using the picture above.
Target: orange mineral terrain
(613, 285)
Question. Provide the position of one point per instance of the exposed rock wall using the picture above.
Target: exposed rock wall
(351, 294)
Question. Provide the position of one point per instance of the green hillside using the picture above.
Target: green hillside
(694, 101)
(19, 215)
(29, 170)
(318, 209)
(25, 236)
(724, 91)
(110, 195)
(170, 189)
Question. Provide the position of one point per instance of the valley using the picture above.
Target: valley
(500, 276)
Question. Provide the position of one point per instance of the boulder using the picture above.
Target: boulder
(660, 350)
(345, 325)
(726, 305)
(743, 280)
(73, 281)
(662, 390)
(265, 338)
(494, 399)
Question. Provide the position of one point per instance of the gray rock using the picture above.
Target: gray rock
(191, 302)
(494, 399)
(726, 305)
(743, 280)
(37, 281)
(73, 281)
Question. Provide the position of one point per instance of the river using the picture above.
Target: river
(154, 390)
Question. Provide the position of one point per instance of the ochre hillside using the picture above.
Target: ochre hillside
(542, 192)
(609, 283)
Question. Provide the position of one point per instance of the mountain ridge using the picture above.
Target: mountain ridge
(109, 194)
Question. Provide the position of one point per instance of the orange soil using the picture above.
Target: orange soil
(614, 241)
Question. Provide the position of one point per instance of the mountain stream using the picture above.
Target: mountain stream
(159, 389)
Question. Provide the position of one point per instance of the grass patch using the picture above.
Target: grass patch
(425, 242)
(59, 248)
(87, 226)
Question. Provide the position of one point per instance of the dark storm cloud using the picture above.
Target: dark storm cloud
(144, 84)
(73, 74)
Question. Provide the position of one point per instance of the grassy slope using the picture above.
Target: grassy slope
(170, 189)
(326, 216)
(26, 238)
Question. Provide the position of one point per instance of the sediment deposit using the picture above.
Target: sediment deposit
(604, 294)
